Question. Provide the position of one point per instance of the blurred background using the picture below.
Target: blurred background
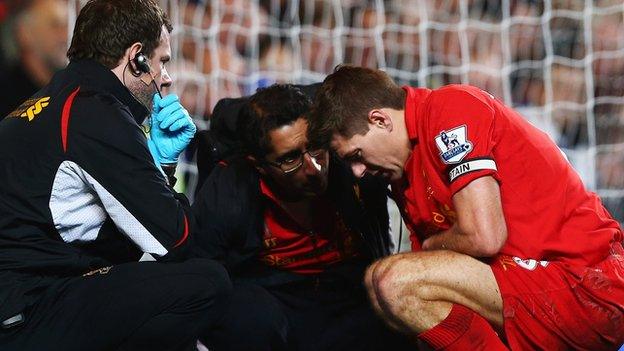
(559, 62)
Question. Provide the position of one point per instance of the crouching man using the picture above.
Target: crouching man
(295, 230)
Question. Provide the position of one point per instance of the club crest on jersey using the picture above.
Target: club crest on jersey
(30, 108)
(453, 144)
(529, 264)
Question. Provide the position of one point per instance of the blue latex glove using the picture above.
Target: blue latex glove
(171, 129)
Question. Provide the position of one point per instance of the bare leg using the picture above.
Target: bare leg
(414, 292)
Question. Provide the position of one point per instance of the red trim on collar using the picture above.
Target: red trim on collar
(266, 191)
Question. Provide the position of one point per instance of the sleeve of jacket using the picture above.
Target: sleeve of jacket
(105, 143)
(228, 212)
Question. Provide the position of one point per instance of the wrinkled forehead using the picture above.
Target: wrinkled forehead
(289, 137)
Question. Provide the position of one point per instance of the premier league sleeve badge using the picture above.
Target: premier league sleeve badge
(453, 144)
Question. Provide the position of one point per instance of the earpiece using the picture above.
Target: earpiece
(142, 66)
(140, 61)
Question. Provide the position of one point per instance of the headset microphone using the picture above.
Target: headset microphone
(140, 61)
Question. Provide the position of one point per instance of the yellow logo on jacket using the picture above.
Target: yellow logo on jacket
(31, 108)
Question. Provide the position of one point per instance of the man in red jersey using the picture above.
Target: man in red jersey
(511, 250)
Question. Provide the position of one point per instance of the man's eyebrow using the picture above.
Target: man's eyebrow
(288, 154)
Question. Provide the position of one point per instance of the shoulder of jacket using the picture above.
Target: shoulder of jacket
(237, 177)
(459, 91)
(96, 104)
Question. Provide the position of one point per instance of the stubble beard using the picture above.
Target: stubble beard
(142, 92)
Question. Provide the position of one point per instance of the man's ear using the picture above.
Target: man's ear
(131, 54)
(380, 118)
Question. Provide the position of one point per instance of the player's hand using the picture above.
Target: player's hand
(172, 129)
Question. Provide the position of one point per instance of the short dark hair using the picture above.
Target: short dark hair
(270, 108)
(105, 29)
(344, 99)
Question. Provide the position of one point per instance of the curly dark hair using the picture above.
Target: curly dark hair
(105, 29)
(342, 103)
(270, 108)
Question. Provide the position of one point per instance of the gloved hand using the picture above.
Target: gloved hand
(171, 129)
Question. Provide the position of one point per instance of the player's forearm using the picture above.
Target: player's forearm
(473, 244)
(480, 229)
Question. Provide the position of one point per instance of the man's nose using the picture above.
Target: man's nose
(358, 169)
(165, 78)
(311, 165)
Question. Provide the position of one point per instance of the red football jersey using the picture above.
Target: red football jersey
(460, 133)
(289, 246)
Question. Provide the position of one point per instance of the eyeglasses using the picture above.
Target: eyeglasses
(292, 164)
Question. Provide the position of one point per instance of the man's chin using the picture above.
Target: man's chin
(142, 94)
(390, 176)
(314, 191)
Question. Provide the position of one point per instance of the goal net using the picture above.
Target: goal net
(559, 62)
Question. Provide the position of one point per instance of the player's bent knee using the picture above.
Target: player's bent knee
(409, 276)
(398, 278)
(368, 278)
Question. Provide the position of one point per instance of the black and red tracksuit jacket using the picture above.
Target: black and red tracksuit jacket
(78, 186)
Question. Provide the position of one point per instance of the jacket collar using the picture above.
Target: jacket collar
(100, 78)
